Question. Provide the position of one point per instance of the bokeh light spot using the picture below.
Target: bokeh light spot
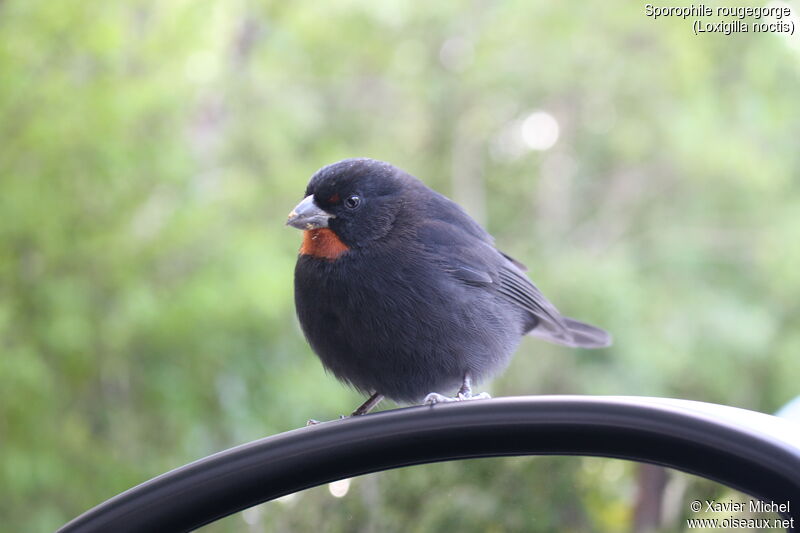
(338, 489)
(540, 130)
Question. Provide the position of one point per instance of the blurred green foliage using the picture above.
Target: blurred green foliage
(525, 494)
(150, 152)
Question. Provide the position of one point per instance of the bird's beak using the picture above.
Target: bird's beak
(308, 215)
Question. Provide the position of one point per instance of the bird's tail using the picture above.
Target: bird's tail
(576, 334)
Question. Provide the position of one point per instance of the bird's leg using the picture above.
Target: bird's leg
(369, 405)
(464, 393)
(363, 409)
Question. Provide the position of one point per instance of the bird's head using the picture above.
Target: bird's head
(354, 202)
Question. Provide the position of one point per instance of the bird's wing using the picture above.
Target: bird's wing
(515, 262)
(477, 262)
(516, 286)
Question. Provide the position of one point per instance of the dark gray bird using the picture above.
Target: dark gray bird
(401, 294)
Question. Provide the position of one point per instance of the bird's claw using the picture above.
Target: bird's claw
(313, 422)
(435, 397)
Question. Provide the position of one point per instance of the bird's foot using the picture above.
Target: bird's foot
(435, 397)
(314, 422)
(363, 409)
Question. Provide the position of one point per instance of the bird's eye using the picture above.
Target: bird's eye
(352, 202)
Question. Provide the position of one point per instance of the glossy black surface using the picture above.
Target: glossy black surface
(755, 453)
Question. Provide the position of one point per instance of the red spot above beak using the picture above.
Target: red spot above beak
(334, 199)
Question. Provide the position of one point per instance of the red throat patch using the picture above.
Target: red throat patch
(322, 243)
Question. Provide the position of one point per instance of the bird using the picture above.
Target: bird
(402, 295)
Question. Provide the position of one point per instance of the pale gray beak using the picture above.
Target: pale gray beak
(308, 215)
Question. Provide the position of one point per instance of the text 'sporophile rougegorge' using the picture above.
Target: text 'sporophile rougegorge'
(776, 17)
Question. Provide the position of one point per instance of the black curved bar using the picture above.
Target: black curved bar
(755, 453)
